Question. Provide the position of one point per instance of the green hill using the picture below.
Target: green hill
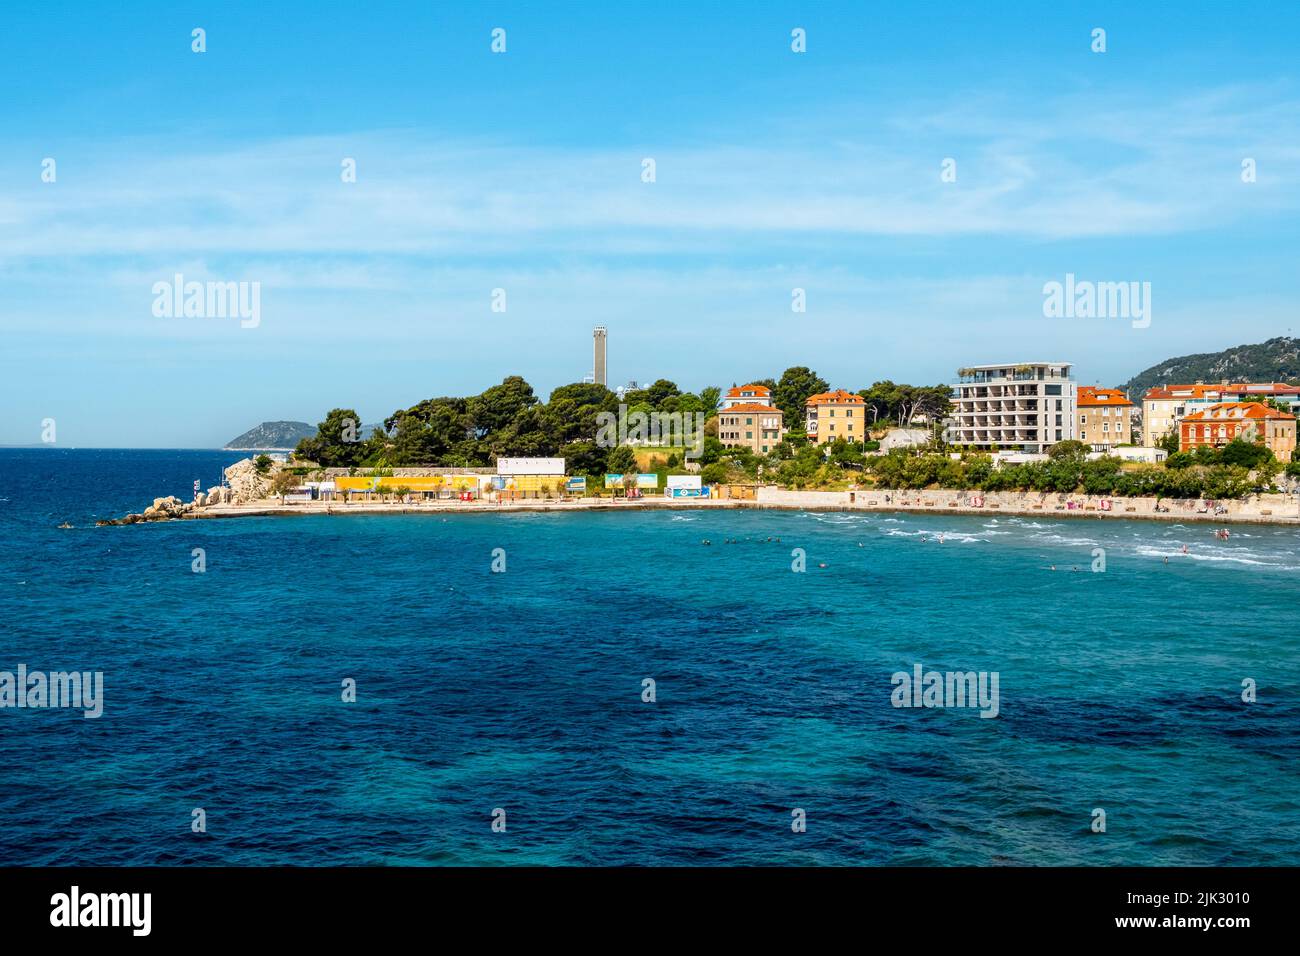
(1277, 360)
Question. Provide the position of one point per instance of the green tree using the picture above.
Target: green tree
(1071, 448)
(714, 474)
(793, 390)
(1169, 442)
(337, 442)
(622, 461)
(710, 398)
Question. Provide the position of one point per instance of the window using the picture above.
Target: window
(1105, 428)
(749, 435)
(1083, 436)
(1083, 419)
(749, 421)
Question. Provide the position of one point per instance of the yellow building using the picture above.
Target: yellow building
(837, 414)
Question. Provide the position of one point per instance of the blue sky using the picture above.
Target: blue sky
(522, 171)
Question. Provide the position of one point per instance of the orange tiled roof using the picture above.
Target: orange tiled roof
(1262, 388)
(837, 397)
(1090, 397)
(751, 407)
(1166, 392)
(1233, 411)
(761, 391)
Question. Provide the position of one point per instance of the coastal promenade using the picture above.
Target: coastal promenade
(1258, 509)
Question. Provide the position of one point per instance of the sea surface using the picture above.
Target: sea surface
(480, 692)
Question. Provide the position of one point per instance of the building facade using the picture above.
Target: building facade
(837, 414)
(1219, 424)
(1028, 407)
(1105, 418)
(747, 395)
(754, 425)
(1165, 406)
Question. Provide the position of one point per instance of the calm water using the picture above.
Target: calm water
(522, 690)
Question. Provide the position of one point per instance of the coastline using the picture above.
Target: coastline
(912, 502)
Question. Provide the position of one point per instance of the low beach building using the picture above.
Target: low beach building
(753, 425)
(1219, 424)
(1028, 407)
(529, 477)
(1105, 417)
(837, 414)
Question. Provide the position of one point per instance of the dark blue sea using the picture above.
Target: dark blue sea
(522, 691)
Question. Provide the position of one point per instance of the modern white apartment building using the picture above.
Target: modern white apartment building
(1028, 406)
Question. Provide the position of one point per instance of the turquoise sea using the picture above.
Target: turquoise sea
(522, 691)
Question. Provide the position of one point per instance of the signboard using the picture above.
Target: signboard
(356, 483)
(530, 466)
(650, 481)
(702, 492)
(684, 481)
(414, 483)
(576, 485)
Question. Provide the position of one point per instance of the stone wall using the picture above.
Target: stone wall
(1255, 507)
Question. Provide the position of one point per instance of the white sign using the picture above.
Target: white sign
(683, 481)
(530, 466)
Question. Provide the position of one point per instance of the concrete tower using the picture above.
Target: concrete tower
(598, 335)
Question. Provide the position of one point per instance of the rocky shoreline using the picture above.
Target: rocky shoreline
(244, 483)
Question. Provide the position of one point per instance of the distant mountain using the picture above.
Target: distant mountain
(272, 436)
(1277, 360)
(282, 436)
